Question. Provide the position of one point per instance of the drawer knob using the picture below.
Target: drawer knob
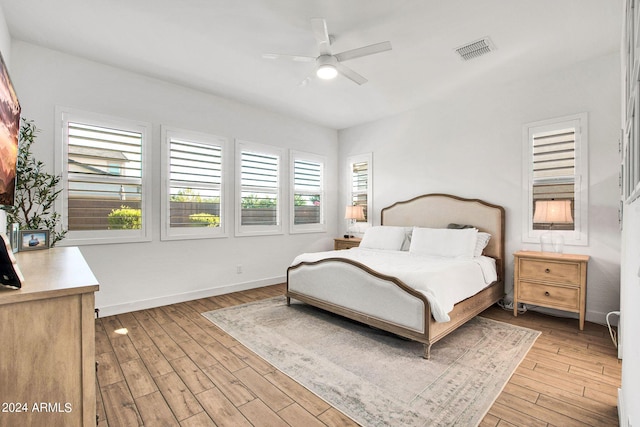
(546, 294)
(546, 270)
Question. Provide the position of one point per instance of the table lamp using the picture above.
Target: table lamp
(552, 212)
(353, 214)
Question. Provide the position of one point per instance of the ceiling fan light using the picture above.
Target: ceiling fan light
(327, 72)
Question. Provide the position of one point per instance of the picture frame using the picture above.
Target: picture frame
(14, 237)
(33, 240)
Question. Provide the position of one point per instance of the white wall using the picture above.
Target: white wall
(630, 334)
(141, 275)
(470, 145)
(5, 39)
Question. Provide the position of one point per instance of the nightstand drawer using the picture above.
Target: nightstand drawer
(564, 298)
(344, 243)
(560, 272)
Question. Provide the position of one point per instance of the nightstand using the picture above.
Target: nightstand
(551, 280)
(346, 243)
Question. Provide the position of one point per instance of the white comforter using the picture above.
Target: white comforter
(443, 281)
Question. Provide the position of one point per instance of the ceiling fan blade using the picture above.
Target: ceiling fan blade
(297, 58)
(350, 74)
(319, 27)
(363, 51)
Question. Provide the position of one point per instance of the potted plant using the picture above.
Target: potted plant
(36, 190)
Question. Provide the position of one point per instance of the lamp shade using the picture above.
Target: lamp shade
(553, 211)
(354, 212)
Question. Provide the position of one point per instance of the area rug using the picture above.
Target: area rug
(377, 378)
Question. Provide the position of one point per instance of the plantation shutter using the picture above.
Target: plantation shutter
(307, 179)
(554, 165)
(195, 183)
(104, 175)
(259, 188)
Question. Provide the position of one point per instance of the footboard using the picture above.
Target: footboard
(353, 290)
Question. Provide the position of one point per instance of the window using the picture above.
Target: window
(104, 174)
(193, 179)
(307, 193)
(259, 197)
(555, 172)
(359, 181)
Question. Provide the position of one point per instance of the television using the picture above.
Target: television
(9, 131)
(10, 275)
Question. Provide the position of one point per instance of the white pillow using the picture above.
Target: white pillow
(481, 242)
(444, 242)
(383, 237)
(406, 244)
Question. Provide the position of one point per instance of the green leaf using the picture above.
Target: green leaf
(36, 190)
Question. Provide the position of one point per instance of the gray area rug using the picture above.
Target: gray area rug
(377, 378)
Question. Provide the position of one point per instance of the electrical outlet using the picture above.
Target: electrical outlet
(239, 269)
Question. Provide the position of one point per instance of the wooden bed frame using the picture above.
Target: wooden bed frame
(409, 312)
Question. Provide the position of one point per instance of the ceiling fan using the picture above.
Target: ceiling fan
(328, 65)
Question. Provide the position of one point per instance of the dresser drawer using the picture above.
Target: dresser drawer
(560, 272)
(561, 297)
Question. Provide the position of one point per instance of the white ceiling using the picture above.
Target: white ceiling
(216, 45)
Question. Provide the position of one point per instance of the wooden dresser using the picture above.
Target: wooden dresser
(47, 342)
(551, 280)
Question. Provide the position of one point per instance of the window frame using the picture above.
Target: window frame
(185, 233)
(94, 237)
(306, 228)
(630, 151)
(359, 158)
(257, 230)
(579, 235)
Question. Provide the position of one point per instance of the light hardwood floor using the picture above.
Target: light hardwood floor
(172, 367)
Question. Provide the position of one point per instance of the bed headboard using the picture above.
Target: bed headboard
(440, 210)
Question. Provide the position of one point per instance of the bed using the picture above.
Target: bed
(352, 289)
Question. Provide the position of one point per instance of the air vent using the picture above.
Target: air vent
(475, 49)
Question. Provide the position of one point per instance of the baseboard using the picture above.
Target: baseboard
(599, 317)
(590, 316)
(623, 421)
(111, 310)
